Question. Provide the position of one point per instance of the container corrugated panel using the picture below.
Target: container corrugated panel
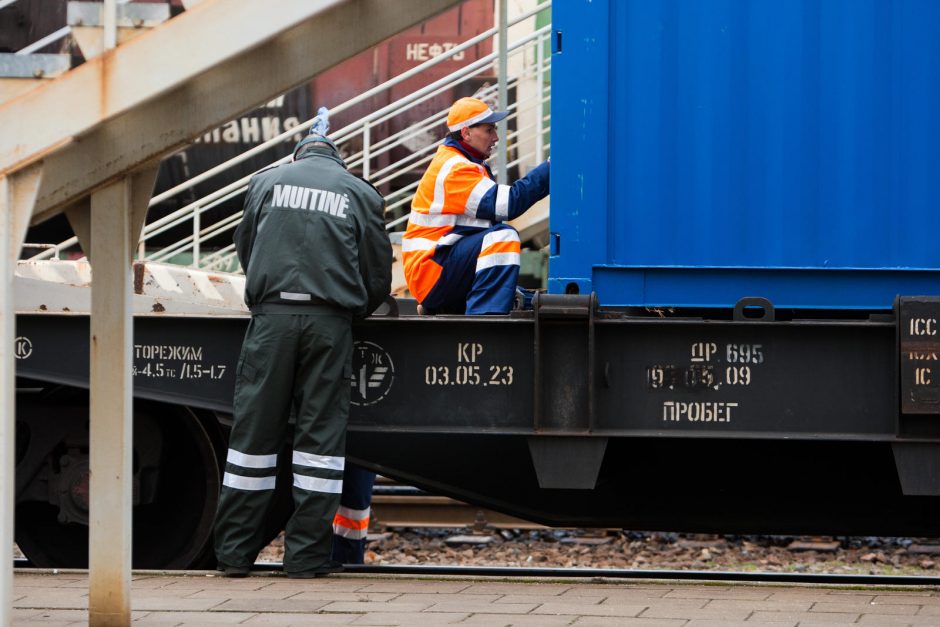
(706, 151)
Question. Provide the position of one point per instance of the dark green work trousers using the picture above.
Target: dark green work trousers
(303, 360)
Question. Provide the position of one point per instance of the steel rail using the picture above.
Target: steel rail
(835, 579)
(602, 574)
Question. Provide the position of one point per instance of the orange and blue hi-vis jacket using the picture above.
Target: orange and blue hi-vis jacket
(458, 195)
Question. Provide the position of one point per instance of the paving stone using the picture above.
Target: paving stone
(328, 595)
(272, 599)
(43, 581)
(410, 619)
(473, 607)
(499, 620)
(51, 599)
(908, 599)
(527, 598)
(150, 583)
(444, 597)
(363, 607)
(688, 613)
(54, 615)
(264, 593)
(21, 614)
(220, 583)
(534, 588)
(926, 610)
(603, 589)
(805, 617)
(162, 593)
(602, 621)
(818, 596)
(607, 592)
(80, 585)
(684, 604)
(317, 585)
(52, 590)
(793, 605)
(710, 592)
(196, 618)
(270, 605)
(173, 604)
(425, 587)
(861, 608)
(749, 623)
(579, 609)
(897, 619)
(287, 618)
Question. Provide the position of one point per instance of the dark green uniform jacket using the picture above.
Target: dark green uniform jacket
(313, 235)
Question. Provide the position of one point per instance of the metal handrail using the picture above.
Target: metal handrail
(225, 257)
(304, 126)
(45, 41)
(362, 158)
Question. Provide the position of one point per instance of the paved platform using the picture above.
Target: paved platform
(200, 598)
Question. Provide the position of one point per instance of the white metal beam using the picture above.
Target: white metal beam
(17, 195)
(144, 68)
(206, 100)
(115, 228)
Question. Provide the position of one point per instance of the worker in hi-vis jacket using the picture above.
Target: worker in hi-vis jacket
(459, 256)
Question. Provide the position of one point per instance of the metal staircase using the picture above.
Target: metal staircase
(208, 244)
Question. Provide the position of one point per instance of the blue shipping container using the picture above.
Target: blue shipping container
(707, 150)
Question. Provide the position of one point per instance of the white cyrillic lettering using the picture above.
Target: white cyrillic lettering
(270, 127)
(251, 130)
(230, 133)
(290, 123)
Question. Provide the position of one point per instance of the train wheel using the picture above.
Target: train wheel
(176, 484)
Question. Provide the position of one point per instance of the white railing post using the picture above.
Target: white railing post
(197, 226)
(501, 174)
(110, 24)
(366, 157)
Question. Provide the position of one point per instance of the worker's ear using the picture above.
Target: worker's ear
(465, 133)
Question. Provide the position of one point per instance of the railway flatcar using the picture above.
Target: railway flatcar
(740, 331)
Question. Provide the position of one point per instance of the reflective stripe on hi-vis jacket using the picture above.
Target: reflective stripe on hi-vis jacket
(351, 523)
(448, 197)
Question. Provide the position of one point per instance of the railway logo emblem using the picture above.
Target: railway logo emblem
(22, 347)
(373, 374)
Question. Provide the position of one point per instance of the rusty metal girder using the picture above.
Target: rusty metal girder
(148, 97)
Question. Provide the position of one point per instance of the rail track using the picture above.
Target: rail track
(631, 573)
(404, 507)
(601, 574)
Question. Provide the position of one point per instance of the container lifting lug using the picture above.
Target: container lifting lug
(754, 309)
